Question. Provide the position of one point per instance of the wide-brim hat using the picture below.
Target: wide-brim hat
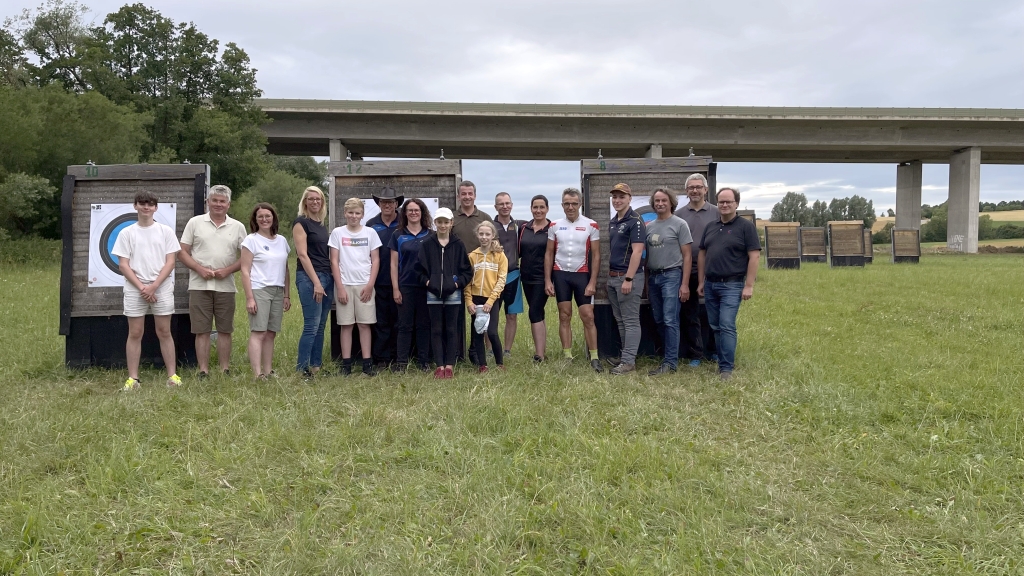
(388, 193)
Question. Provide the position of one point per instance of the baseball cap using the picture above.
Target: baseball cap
(444, 213)
(623, 188)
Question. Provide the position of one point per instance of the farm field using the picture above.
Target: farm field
(875, 426)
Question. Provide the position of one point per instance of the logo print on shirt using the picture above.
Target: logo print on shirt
(355, 241)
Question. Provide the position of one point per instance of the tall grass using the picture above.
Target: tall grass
(874, 426)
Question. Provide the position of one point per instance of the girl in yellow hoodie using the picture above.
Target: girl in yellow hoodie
(490, 267)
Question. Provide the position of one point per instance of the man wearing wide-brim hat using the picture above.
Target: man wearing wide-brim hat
(385, 342)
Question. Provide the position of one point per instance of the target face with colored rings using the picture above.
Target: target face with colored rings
(106, 222)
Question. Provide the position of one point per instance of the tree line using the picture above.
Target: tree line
(138, 87)
(793, 208)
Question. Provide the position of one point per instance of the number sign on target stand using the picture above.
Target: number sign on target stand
(96, 205)
(644, 175)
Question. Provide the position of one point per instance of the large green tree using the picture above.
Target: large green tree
(792, 208)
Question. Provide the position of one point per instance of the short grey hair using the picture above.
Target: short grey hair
(570, 191)
(220, 190)
(696, 176)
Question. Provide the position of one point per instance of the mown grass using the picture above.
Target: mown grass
(874, 426)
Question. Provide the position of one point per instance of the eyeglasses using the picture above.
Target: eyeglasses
(314, 199)
(570, 204)
(726, 201)
(694, 188)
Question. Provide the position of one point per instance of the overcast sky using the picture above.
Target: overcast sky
(793, 53)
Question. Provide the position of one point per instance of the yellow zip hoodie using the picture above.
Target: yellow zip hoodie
(489, 272)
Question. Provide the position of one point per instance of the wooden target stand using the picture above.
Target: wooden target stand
(643, 175)
(410, 178)
(92, 318)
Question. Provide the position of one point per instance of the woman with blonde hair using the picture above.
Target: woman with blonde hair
(490, 269)
(313, 280)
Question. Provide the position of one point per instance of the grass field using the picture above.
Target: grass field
(874, 426)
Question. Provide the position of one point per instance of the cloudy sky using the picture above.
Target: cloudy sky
(793, 53)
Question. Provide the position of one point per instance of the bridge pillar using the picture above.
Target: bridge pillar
(908, 195)
(964, 193)
(338, 151)
(654, 151)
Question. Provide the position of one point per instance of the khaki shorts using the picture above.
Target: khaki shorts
(207, 306)
(136, 306)
(356, 312)
(269, 309)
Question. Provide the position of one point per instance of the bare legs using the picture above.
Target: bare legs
(261, 352)
(223, 351)
(133, 347)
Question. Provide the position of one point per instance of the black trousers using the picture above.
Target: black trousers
(696, 340)
(492, 335)
(413, 318)
(385, 337)
(444, 332)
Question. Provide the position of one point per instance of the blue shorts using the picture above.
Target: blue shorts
(512, 296)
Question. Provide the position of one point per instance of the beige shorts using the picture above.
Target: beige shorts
(356, 312)
(207, 306)
(136, 306)
(269, 309)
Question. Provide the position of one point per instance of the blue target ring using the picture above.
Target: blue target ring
(109, 237)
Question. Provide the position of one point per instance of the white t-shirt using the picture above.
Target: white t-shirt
(146, 249)
(269, 259)
(572, 243)
(354, 250)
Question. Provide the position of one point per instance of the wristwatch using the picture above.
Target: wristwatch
(628, 279)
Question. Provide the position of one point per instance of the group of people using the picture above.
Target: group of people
(408, 277)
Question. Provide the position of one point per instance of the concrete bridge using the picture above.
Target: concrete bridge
(907, 137)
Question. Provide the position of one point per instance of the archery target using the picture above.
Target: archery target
(106, 221)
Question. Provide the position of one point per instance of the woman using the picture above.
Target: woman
(354, 265)
(409, 294)
(444, 269)
(490, 269)
(313, 280)
(265, 281)
(533, 244)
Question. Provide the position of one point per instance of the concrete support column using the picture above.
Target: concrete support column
(964, 193)
(654, 151)
(338, 151)
(908, 195)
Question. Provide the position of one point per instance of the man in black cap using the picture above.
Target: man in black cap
(385, 342)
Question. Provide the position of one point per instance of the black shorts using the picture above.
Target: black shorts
(571, 285)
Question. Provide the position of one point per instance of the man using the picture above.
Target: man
(468, 216)
(570, 272)
(385, 343)
(668, 273)
(466, 220)
(695, 334)
(727, 267)
(508, 235)
(626, 235)
(210, 247)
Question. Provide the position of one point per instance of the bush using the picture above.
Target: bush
(281, 189)
(25, 205)
(883, 236)
(1010, 231)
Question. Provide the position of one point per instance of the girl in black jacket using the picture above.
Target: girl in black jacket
(444, 269)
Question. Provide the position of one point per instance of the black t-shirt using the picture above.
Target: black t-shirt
(316, 243)
(622, 234)
(727, 246)
(407, 245)
(385, 232)
(532, 247)
(508, 236)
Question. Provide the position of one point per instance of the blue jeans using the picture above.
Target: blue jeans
(723, 304)
(663, 292)
(314, 318)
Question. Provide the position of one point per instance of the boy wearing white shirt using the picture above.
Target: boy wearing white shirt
(354, 263)
(146, 254)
